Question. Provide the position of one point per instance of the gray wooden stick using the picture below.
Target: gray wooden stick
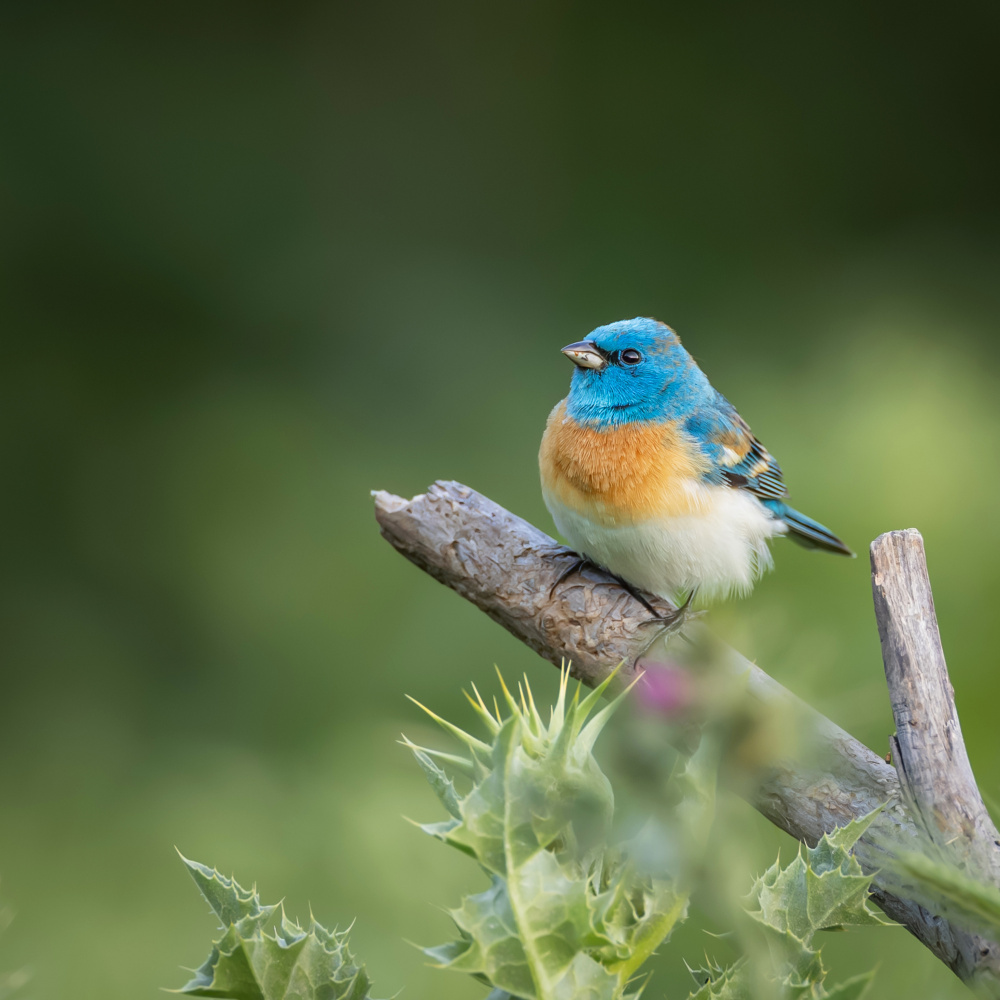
(508, 568)
(929, 753)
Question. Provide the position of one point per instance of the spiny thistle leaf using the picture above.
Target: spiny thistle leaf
(443, 786)
(717, 983)
(563, 918)
(248, 963)
(846, 836)
(820, 890)
(735, 983)
(852, 989)
(230, 902)
(823, 888)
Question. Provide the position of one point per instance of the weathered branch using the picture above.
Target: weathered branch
(936, 779)
(508, 568)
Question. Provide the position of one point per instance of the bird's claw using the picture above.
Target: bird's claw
(575, 566)
(580, 562)
(667, 622)
(670, 625)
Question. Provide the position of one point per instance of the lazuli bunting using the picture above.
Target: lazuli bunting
(651, 473)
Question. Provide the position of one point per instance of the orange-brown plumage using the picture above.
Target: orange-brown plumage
(619, 474)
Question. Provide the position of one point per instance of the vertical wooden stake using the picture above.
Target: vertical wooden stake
(935, 776)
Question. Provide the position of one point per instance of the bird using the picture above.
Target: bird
(651, 474)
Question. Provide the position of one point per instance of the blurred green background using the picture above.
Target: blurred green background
(259, 259)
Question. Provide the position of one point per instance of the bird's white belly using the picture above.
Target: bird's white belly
(720, 549)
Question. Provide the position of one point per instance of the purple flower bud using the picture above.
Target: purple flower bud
(666, 688)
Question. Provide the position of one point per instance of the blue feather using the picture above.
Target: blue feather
(667, 385)
(808, 533)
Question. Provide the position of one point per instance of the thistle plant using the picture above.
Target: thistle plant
(570, 913)
(824, 888)
(248, 963)
(565, 915)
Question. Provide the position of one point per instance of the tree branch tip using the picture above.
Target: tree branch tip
(389, 503)
(899, 536)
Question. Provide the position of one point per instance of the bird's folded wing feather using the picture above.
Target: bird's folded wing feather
(736, 458)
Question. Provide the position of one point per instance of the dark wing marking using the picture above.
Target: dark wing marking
(757, 472)
(738, 458)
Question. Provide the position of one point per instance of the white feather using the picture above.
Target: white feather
(720, 549)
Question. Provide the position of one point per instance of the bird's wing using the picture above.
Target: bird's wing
(736, 457)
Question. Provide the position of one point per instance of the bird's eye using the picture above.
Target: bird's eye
(631, 357)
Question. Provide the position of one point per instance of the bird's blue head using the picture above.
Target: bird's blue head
(632, 371)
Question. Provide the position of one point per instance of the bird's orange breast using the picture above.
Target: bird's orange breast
(623, 474)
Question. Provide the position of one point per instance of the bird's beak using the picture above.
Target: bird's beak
(586, 354)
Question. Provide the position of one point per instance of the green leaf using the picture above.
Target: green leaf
(717, 983)
(852, 989)
(974, 902)
(844, 837)
(443, 785)
(226, 972)
(248, 963)
(735, 983)
(230, 901)
(823, 888)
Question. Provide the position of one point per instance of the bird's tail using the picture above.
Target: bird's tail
(808, 533)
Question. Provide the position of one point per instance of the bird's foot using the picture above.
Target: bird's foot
(581, 562)
(680, 615)
(671, 624)
(578, 563)
(637, 594)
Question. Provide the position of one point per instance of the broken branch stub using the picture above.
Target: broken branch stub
(935, 775)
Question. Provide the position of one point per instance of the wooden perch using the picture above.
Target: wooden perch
(510, 569)
(936, 780)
